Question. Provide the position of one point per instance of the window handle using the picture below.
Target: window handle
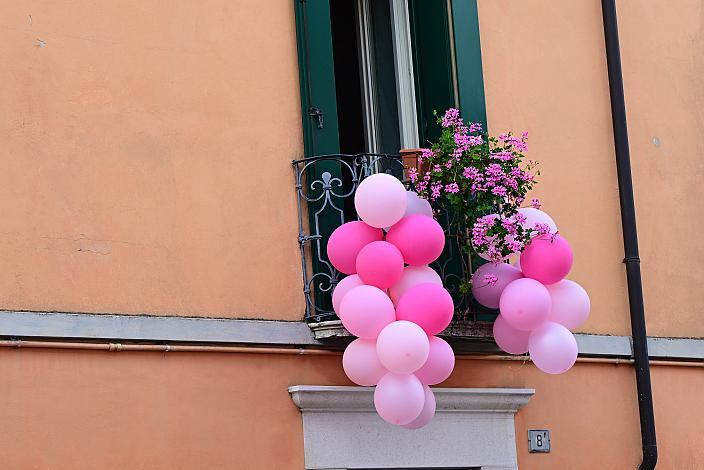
(316, 113)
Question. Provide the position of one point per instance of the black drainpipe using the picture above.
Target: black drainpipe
(630, 237)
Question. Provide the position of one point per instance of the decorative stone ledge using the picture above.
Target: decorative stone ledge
(473, 427)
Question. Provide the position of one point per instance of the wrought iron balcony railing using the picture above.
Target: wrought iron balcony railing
(325, 187)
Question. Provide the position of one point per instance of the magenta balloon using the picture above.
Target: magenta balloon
(547, 259)
(525, 304)
(380, 200)
(570, 304)
(346, 242)
(440, 363)
(420, 239)
(402, 347)
(552, 348)
(418, 205)
(361, 363)
(380, 264)
(428, 305)
(412, 276)
(365, 311)
(509, 339)
(426, 413)
(536, 216)
(486, 294)
(342, 288)
(399, 398)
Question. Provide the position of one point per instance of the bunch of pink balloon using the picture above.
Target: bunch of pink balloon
(537, 305)
(392, 300)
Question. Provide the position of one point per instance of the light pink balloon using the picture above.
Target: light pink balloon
(361, 363)
(428, 305)
(440, 363)
(399, 398)
(525, 304)
(420, 239)
(342, 288)
(570, 304)
(402, 347)
(547, 259)
(553, 349)
(346, 241)
(412, 276)
(380, 200)
(365, 311)
(536, 216)
(426, 415)
(380, 264)
(486, 294)
(418, 205)
(509, 339)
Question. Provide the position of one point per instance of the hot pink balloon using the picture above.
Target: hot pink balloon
(509, 339)
(525, 304)
(380, 264)
(553, 349)
(346, 242)
(536, 216)
(380, 200)
(547, 258)
(418, 205)
(361, 363)
(570, 304)
(488, 293)
(342, 288)
(420, 239)
(440, 363)
(365, 311)
(399, 398)
(428, 305)
(402, 347)
(412, 276)
(427, 413)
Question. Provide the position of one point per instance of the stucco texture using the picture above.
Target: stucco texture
(545, 72)
(77, 410)
(145, 154)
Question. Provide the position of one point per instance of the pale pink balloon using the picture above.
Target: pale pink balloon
(412, 276)
(380, 264)
(553, 349)
(570, 304)
(486, 293)
(418, 205)
(342, 288)
(380, 200)
(346, 242)
(399, 398)
(426, 415)
(428, 305)
(365, 311)
(402, 347)
(440, 363)
(509, 339)
(361, 363)
(536, 216)
(525, 304)
(547, 258)
(420, 239)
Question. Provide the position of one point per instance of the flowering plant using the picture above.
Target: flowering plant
(483, 181)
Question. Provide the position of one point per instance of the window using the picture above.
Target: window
(372, 72)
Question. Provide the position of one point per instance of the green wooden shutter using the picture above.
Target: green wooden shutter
(320, 135)
(468, 59)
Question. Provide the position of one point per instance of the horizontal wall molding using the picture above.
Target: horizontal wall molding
(144, 328)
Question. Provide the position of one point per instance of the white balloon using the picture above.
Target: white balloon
(412, 276)
(380, 200)
(418, 205)
(536, 216)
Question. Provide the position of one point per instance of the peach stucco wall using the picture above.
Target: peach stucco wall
(145, 153)
(545, 72)
(70, 410)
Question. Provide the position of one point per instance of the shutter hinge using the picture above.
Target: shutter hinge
(317, 114)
